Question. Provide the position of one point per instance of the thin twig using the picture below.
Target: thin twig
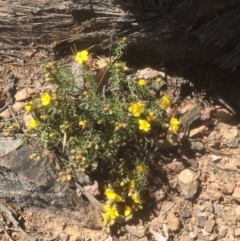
(5, 231)
(53, 238)
(16, 223)
(222, 214)
(5, 105)
(224, 168)
(168, 209)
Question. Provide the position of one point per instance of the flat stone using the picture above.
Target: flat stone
(228, 189)
(200, 219)
(216, 196)
(173, 222)
(193, 235)
(223, 230)
(223, 115)
(175, 167)
(208, 225)
(6, 114)
(185, 214)
(237, 232)
(188, 183)
(237, 213)
(213, 236)
(32, 183)
(235, 162)
(236, 194)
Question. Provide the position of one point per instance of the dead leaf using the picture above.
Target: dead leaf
(102, 62)
(134, 231)
(157, 236)
(77, 71)
(147, 73)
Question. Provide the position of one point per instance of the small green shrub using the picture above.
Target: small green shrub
(114, 126)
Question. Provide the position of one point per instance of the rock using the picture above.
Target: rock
(6, 114)
(223, 230)
(193, 235)
(205, 233)
(208, 225)
(24, 94)
(147, 73)
(32, 183)
(235, 162)
(185, 214)
(228, 189)
(192, 162)
(213, 237)
(206, 114)
(237, 232)
(175, 167)
(216, 196)
(173, 222)
(188, 183)
(197, 131)
(18, 106)
(200, 220)
(197, 145)
(236, 194)
(223, 115)
(237, 213)
(214, 158)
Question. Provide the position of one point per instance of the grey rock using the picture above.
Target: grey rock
(200, 219)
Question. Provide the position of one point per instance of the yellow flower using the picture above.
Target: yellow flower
(144, 125)
(35, 156)
(33, 123)
(112, 212)
(158, 80)
(82, 56)
(165, 102)
(82, 124)
(106, 218)
(136, 108)
(111, 195)
(150, 116)
(135, 197)
(127, 211)
(142, 82)
(132, 184)
(141, 168)
(174, 125)
(45, 99)
(29, 106)
(118, 198)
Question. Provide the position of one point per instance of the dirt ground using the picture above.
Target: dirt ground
(200, 193)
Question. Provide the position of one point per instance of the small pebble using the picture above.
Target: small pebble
(237, 232)
(188, 183)
(236, 194)
(208, 225)
(228, 189)
(237, 212)
(216, 196)
(200, 220)
(173, 222)
(185, 214)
